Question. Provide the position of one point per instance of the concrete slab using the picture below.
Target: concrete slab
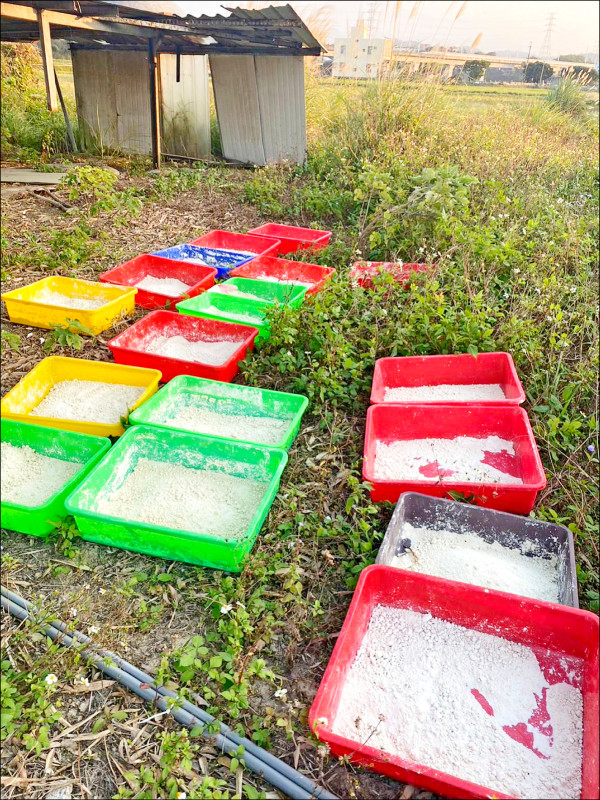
(18, 175)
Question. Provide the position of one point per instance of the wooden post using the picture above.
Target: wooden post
(154, 105)
(47, 61)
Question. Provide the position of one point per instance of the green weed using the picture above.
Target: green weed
(13, 340)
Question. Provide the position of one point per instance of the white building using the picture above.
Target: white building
(358, 56)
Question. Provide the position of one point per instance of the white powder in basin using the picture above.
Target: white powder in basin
(418, 689)
(89, 401)
(233, 291)
(212, 353)
(170, 287)
(198, 500)
(263, 430)
(52, 298)
(444, 392)
(468, 558)
(458, 459)
(30, 478)
(281, 280)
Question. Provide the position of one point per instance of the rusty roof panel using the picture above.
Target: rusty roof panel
(278, 28)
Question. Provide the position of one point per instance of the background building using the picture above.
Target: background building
(359, 56)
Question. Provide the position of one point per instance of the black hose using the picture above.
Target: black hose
(203, 717)
(278, 773)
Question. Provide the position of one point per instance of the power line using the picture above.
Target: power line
(546, 49)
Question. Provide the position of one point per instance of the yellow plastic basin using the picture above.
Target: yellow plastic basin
(31, 390)
(27, 306)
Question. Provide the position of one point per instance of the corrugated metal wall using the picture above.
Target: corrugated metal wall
(113, 100)
(260, 106)
(185, 106)
(236, 100)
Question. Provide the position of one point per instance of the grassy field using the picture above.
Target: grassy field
(502, 196)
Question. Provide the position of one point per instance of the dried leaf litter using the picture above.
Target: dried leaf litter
(527, 571)
(459, 459)
(174, 496)
(88, 401)
(412, 691)
(29, 478)
(445, 392)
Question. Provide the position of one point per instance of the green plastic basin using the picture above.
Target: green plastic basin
(189, 450)
(227, 399)
(265, 293)
(227, 309)
(55, 443)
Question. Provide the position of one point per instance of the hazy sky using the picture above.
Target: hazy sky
(505, 24)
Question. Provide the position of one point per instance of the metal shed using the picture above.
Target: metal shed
(141, 74)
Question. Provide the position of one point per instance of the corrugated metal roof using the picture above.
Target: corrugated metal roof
(165, 7)
(272, 29)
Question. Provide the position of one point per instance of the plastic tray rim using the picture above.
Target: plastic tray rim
(513, 370)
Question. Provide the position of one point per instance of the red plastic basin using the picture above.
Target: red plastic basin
(127, 347)
(241, 242)
(292, 238)
(496, 368)
(363, 272)
(552, 631)
(197, 277)
(281, 269)
(390, 422)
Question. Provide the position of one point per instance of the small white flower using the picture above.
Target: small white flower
(73, 612)
(51, 679)
(93, 629)
(101, 591)
(42, 340)
(322, 721)
(124, 645)
(226, 608)
(82, 682)
(516, 270)
(181, 795)
(240, 605)
(281, 693)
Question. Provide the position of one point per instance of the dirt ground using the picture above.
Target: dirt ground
(82, 761)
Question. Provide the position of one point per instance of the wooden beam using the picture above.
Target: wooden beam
(48, 61)
(27, 14)
(201, 50)
(12, 11)
(154, 105)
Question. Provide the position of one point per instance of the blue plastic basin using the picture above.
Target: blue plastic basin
(221, 260)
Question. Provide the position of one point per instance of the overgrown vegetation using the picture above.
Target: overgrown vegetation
(28, 131)
(503, 199)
